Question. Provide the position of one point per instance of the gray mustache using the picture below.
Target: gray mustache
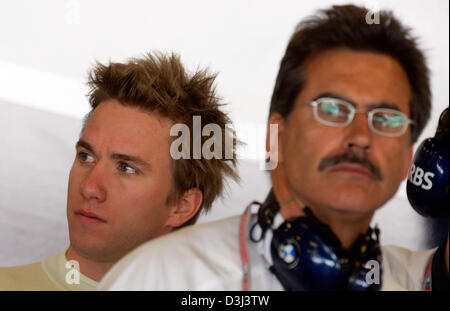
(351, 158)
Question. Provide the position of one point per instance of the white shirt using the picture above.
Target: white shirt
(207, 257)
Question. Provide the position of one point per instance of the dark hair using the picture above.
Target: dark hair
(346, 26)
(158, 83)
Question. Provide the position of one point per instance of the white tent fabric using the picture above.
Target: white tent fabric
(37, 150)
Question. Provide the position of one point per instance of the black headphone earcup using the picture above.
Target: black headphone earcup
(366, 266)
(307, 255)
(304, 260)
(428, 180)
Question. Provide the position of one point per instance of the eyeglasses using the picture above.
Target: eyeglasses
(337, 112)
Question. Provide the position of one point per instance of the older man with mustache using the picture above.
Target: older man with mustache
(349, 101)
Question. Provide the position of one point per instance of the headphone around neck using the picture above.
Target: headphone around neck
(306, 255)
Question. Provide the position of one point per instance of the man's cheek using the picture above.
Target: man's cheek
(76, 176)
(397, 166)
(130, 206)
(72, 189)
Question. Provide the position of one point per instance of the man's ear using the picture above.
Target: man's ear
(186, 208)
(273, 137)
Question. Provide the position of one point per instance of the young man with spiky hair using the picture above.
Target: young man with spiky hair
(124, 186)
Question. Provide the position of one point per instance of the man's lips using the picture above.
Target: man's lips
(89, 216)
(352, 168)
(351, 163)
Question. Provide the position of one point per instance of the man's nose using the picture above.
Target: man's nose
(359, 135)
(93, 187)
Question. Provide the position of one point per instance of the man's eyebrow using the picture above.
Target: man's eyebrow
(130, 158)
(115, 156)
(85, 145)
(382, 104)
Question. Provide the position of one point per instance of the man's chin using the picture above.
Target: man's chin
(354, 198)
(98, 249)
(91, 248)
(359, 205)
(355, 209)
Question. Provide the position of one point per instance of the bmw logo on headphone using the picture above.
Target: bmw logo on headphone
(289, 252)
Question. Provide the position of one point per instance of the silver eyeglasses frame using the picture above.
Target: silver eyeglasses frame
(353, 111)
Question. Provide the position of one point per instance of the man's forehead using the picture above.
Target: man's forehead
(112, 111)
(360, 76)
(126, 129)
